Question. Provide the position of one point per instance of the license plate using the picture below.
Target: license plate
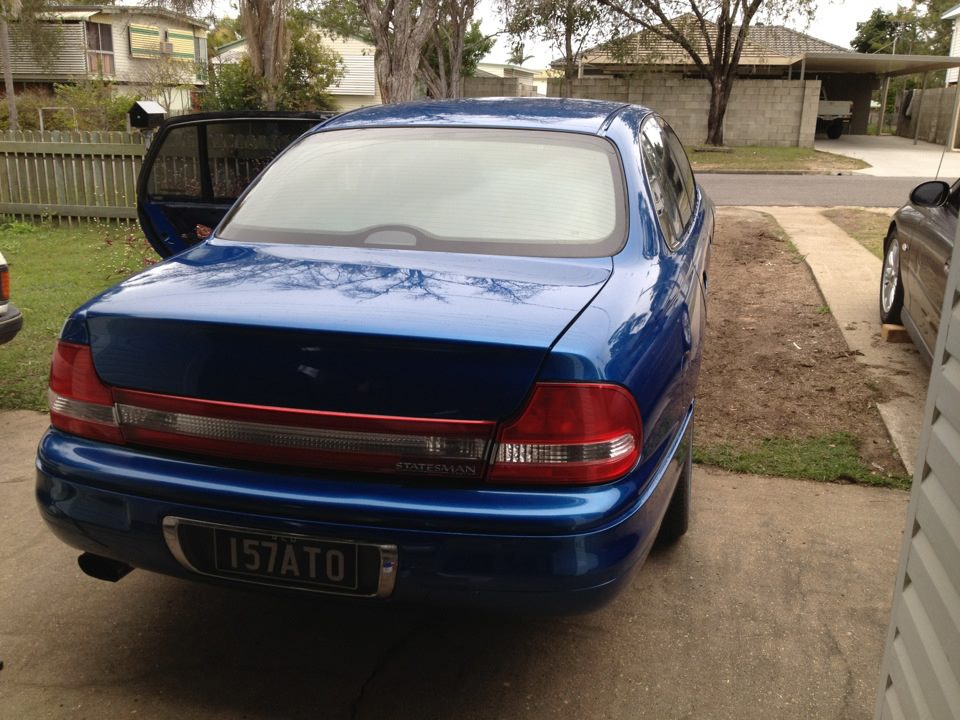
(284, 558)
(298, 562)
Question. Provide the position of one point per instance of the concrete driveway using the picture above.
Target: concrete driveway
(775, 605)
(891, 156)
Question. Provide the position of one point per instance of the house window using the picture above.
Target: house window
(100, 48)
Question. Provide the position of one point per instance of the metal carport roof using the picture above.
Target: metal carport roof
(875, 64)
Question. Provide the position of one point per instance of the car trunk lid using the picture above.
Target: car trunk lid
(346, 330)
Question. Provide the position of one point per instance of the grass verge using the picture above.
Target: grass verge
(828, 458)
(54, 269)
(867, 227)
(770, 159)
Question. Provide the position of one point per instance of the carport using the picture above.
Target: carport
(854, 76)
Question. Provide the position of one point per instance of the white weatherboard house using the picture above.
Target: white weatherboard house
(357, 88)
(952, 14)
(132, 47)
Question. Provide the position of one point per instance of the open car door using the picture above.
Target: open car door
(198, 165)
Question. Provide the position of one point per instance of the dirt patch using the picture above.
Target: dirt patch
(867, 227)
(775, 364)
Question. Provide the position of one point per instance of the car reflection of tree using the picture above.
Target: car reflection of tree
(358, 281)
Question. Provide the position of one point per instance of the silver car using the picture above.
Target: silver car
(916, 261)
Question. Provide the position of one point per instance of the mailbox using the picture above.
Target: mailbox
(146, 114)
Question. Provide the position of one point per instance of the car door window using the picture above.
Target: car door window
(237, 151)
(665, 180)
(953, 199)
(175, 173)
(680, 163)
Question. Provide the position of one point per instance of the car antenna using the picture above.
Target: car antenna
(940, 164)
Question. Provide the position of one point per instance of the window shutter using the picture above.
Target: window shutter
(182, 43)
(144, 41)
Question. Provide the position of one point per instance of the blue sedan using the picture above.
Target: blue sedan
(440, 352)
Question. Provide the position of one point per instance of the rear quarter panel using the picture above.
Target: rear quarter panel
(645, 329)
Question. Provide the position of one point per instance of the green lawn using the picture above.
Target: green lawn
(867, 227)
(832, 457)
(53, 270)
(769, 159)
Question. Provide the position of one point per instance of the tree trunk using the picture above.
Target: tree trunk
(264, 24)
(569, 67)
(719, 96)
(8, 75)
(399, 36)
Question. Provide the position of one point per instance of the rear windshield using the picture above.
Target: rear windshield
(508, 192)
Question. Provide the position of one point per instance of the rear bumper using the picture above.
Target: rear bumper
(10, 323)
(526, 556)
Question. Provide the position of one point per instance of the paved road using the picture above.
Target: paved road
(808, 190)
(775, 605)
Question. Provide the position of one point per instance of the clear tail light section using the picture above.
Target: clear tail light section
(309, 438)
(567, 434)
(570, 434)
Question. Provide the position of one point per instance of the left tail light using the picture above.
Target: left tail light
(79, 401)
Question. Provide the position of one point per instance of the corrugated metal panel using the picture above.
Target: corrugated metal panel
(359, 77)
(921, 668)
(144, 41)
(70, 59)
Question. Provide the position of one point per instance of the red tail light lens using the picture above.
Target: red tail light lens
(79, 402)
(4, 284)
(575, 434)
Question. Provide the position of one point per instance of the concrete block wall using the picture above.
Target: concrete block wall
(933, 109)
(760, 112)
(477, 87)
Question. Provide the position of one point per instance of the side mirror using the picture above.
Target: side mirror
(930, 194)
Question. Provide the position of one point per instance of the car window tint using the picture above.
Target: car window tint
(511, 192)
(238, 150)
(176, 168)
(953, 199)
(666, 183)
(684, 174)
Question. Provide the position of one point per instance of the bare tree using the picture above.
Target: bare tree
(165, 77)
(9, 10)
(264, 24)
(712, 34)
(399, 29)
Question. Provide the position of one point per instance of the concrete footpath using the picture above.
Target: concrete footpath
(849, 279)
(775, 605)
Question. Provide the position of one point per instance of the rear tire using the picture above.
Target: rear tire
(891, 287)
(835, 129)
(677, 519)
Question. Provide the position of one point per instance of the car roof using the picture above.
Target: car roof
(585, 116)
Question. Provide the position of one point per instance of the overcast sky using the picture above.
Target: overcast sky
(835, 21)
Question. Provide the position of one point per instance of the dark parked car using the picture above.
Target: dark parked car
(10, 318)
(916, 261)
(439, 352)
